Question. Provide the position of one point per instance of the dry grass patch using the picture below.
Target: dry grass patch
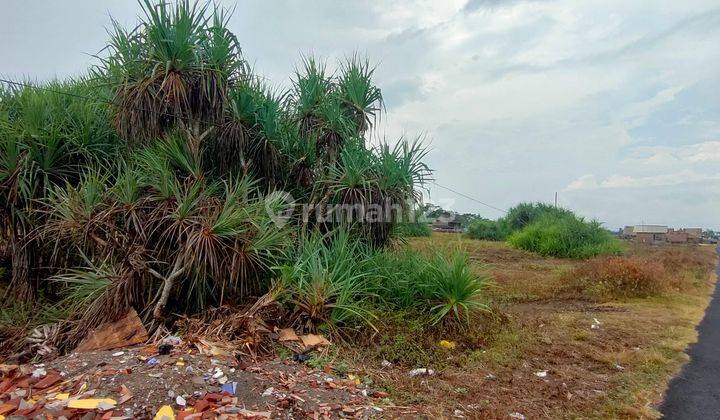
(619, 277)
(603, 360)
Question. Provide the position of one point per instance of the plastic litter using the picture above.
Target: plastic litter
(165, 413)
(91, 403)
(448, 345)
(421, 372)
(229, 387)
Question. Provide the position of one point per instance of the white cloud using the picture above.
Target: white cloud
(588, 182)
(705, 152)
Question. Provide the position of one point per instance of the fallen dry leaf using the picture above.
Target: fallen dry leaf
(310, 340)
(288, 334)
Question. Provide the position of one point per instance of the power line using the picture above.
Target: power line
(469, 197)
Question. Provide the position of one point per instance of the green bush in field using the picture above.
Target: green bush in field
(566, 236)
(526, 213)
(412, 230)
(516, 218)
(490, 230)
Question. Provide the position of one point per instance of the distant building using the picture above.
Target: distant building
(650, 234)
(447, 222)
(659, 234)
(677, 236)
(628, 232)
(694, 235)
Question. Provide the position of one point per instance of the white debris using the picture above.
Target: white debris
(179, 400)
(105, 406)
(172, 340)
(39, 373)
(385, 363)
(541, 373)
(218, 374)
(618, 367)
(517, 415)
(118, 353)
(421, 372)
(490, 376)
(268, 392)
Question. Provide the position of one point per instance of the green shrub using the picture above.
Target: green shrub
(516, 218)
(333, 281)
(412, 230)
(401, 277)
(490, 230)
(526, 213)
(566, 236)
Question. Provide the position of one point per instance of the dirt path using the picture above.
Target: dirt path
(695, 392)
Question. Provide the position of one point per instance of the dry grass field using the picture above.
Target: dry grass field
(553, 347)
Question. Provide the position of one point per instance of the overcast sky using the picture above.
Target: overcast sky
(615, 105)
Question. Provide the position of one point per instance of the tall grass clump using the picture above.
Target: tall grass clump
(443, 287)
(567, 237)
(333, 280)
(524, 214)
(454, 290)
(328, 281)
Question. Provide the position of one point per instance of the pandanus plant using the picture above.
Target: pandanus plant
(46, 138)
(151, 184)
(175, 66)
